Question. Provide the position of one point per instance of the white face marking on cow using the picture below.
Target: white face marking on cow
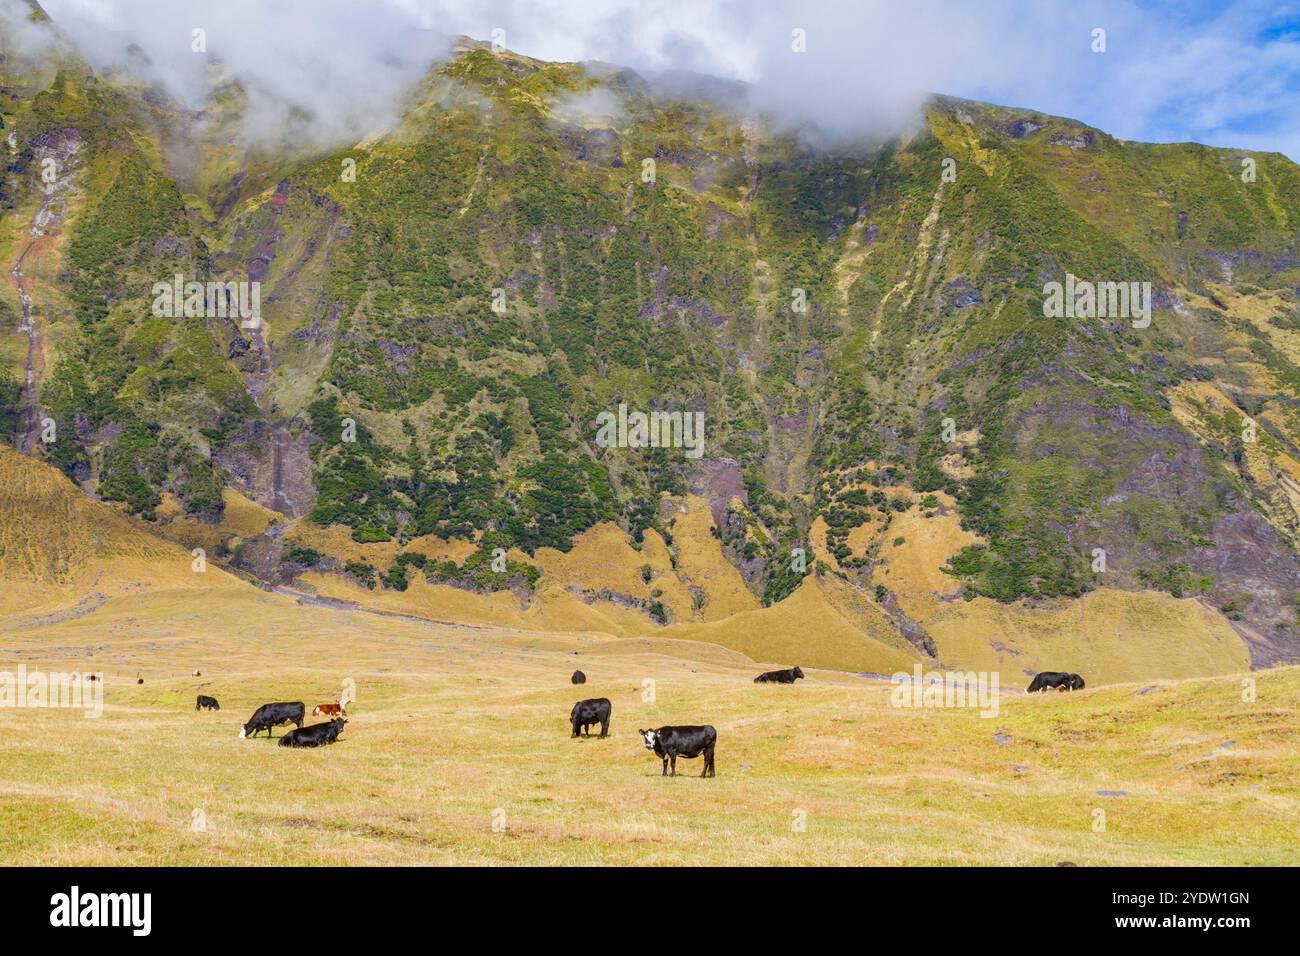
(242, 732)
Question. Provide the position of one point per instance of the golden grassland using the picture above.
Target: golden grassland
(59, 550)
(456, 727)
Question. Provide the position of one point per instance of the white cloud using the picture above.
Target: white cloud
(868, 65)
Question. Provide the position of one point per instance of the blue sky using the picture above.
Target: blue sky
(1224, 73)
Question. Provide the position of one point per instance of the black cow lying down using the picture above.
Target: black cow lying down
(204, 701)
(1059, 680)
(595, 710)
(268, 715)
(669, 743)
(317, 735)
(779, 677)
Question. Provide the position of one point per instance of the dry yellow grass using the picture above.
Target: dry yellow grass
(59, 548)
(459, 727)
(702, 563)
(808, 628)
(456, 728)
(242, 518)
(1107, 635)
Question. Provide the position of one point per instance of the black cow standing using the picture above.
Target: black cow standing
(268, 715)
(595, 710)
(204, 701)
(779, 677)
(1058, 680)
(669, 743)
(317, 735)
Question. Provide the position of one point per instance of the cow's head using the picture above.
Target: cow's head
(1076, 682)
(797, 672)
(651, 737)
(243, 731)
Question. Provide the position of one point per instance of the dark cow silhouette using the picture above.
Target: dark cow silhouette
(579, 677)
(669, 743)
(317, 735)
(268, 715)
(779, 677)
(595, 710)
(204, 701)
(1057, 680)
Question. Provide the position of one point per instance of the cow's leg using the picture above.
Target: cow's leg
(575, 730)
(604, 728)
(674, 759)
(665, 773)
(708, 763)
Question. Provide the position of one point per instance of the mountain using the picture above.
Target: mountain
(908, 453)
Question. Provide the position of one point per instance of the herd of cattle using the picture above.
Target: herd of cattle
(668, 743)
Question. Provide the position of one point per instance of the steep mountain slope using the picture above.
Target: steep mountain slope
(536, 244)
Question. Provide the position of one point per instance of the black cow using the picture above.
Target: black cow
(209, 702)
(579, 677)
(669, 743)
(317, 735)
(779, 677)
(268, 715)
(595, 710)
(1059, 680)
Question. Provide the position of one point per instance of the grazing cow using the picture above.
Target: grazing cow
(779, 677)
(328, 710)
(669, 743)
(317, 735)
(209, 702)
(596, 710)
(579, 677)
(1055, 679)
(268, 715)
